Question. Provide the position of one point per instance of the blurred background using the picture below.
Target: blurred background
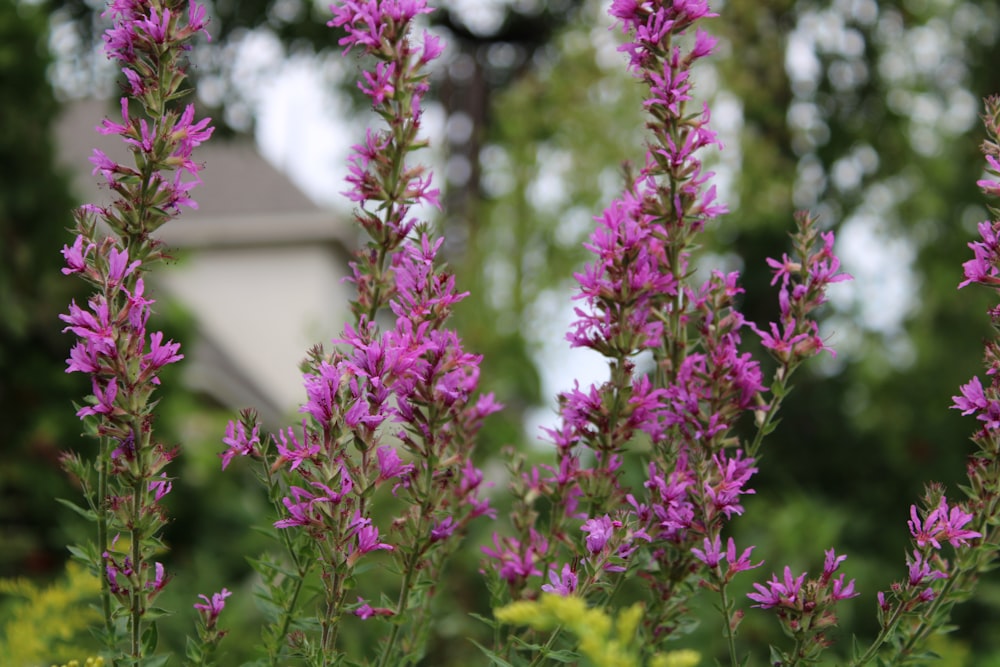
(865, 112)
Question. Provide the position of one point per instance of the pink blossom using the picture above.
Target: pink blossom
(563, 582)
(211, 608)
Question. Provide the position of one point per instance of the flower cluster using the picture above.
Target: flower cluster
(391, 415)
(391, 408)
(804, 280)
(637, 298)
(115, 345)
(805, 607)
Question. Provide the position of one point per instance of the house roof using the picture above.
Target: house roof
(261, 264)
(242, 200)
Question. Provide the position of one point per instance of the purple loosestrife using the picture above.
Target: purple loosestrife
(805, 608)
(113, 251)
(918, 606)
(637, 297)
(391, 409)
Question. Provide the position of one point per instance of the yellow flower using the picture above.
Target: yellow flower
(44, 624)
(682, 658)
(593, 627)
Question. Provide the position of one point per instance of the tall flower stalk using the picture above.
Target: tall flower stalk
(113, 250)
(638, 297)
(917, 607)
(391, 410)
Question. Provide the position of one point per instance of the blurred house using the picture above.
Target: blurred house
(259, 266)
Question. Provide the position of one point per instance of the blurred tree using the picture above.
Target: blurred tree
(35, 395)
(864, 111)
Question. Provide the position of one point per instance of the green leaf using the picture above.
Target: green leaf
(154, 613)
(194, 651)
(263, 566)
(150, 638)
(155, 660)
(86, 554)
(488, 621)
(563, 656)
(89, 515)
(494, 658)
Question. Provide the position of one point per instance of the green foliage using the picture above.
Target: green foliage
(35, 394)
(604, 641)
(863, 440)
(42, 624)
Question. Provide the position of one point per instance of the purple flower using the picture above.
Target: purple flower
(562, 583)
(105, 399)
(365, 611)
(290, 448)
(367, 538)
(831, 563)
(189, 135)
(723, 493)
(77, 255)
(160, 487)
(83, 358)
(941, 524)
(238, 442)
(159, 578)
(920, 572)
(599, 531)
(391, 466)
(986, 256)
(842, 592)
(712, 555)
(779, 592)
(307, 509)
(514, 560)
(211, 608)
(443, 529)
(160, 354)
(378, 86)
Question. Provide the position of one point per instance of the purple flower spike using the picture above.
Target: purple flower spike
(599, 532)
(211, 608)
(779, 592)
(563, 582)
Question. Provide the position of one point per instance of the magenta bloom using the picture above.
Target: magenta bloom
(367, 536)
(443, 529)
(210, 609)
(365, 611)
(712, 555)
(563, 582)
(941, 524)
(77, 255)
(390, 465)
(599, 531)
(239, 444)
(105, 399)
(783, 592)
(515, 560)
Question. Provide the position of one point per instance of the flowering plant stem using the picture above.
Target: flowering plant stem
(391, 415)
(113, 345)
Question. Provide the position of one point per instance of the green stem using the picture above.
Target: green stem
(402, 601)
(882, 637)
(288, 612)
(411, 561)
(102, 538)
(135, 621)
(544, 650)
(727, 619)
